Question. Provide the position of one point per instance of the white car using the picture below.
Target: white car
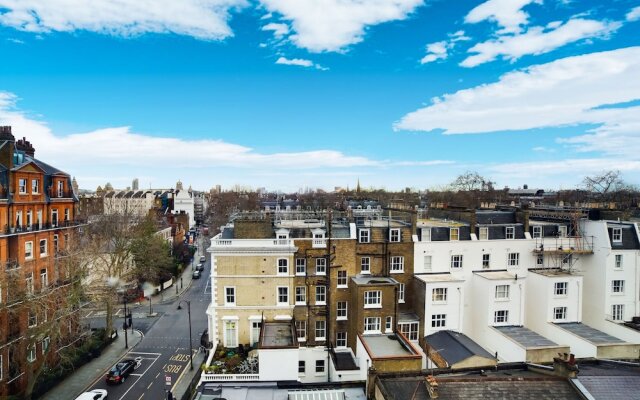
(95, 394)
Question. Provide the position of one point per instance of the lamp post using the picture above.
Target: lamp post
(150, 310)
(124, 324)
(190, 341)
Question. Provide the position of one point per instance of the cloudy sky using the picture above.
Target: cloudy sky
(291, 93)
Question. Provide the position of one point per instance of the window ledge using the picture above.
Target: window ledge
(397, 271)
(300, 274)
(321, 303)
(503, 299)
(341, 318)
(301, 303)
(372, 332)
(342, 286)
(365, 272)
(373, 306)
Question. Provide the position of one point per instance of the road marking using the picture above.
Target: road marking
(124, 396)
(141, 396)
(158, 375)
(149, 385)
(150, 354)
(136, 374)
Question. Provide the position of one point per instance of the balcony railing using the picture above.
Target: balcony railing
(319, 243)
(252, 242)
(9, 229)
(571, 244)
(228, 377)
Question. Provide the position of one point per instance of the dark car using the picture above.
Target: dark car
(203, 259)
(200, 267)
(196, 274)
(121, 371)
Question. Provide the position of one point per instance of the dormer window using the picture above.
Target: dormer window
(394, 235)
(484, 233)
(22, 186)
(537, 231)
(510, 232)
(562, 231)
(426, 234)
(35, 186)
(616, 235)
(454, 234)
(60, 189)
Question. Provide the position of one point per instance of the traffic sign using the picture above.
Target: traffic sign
(167, 380)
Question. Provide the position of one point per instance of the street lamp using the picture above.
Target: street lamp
(189, 312)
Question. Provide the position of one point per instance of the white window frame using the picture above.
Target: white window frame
(282, 266)
(28, 250)
(321, 293)
(22, 186)
(617, 286)
(395, 235)
(341, 339)
(227, 329)
(373, 299)
(401, 289)
(510, 232)
(44, 279)
(617, 312)
(46, 248)
(397, 264)
(321, 266)
(456, 261)
(365, 261)
(60, 189)
(301, 266)
(31, 353)
(561, 289)
(282, 291)
(410, 330)
(560, 313)
(616, 235)
(426, 235)
(454, 234)
(302, 366)
(364, 235)
(388, 324)
(536, 231)
(341, 279)
(438, 321)
(562, 231)
(32, 316)
(301, 295)
(46, 342)
(341, 311)
(320, 367)
(502, 292)
(539, 259)
(321, 327)
(513, 259)
(372, 325)
(617, 261)
(483, 233)
(501, 317)
(227, 289)
(29, 283)
(35, 186)
(301, 330)
(439, 295)
(486, 260)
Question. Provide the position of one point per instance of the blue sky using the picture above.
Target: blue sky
(291, 93)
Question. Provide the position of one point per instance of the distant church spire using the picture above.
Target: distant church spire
(358, 187)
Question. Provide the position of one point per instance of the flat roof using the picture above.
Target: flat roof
(428, 278)
(271, 391)
(455, 347)
(277, 334)
(525, 336)
(373, 280)
(386, 346)
(423, 223)
(588, 333)
(552, 272)
(497, 275)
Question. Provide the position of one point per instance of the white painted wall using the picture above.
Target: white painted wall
(452, 307)
(278, 364)
(309, 355)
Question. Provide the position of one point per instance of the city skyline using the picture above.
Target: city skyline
(262, 94)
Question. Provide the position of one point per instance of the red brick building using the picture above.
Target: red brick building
(37, 219)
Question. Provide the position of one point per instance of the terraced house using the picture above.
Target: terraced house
(37, 219)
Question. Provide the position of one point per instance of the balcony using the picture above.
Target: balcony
(564, 245)
(13, 229)
(54, 194)
(319, 243)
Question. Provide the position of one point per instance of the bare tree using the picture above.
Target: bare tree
(471, 180)
(603, 183)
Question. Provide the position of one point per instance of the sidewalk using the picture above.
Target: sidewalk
(81, 379)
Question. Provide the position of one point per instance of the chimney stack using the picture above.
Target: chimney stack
(565, 366)
(26, 146)
(432, 386)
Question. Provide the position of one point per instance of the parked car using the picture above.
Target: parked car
(95, 394)
(203, 259)
(196, 274)
(119, 372)
(200, 267)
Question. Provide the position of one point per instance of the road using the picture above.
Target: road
(164, 348)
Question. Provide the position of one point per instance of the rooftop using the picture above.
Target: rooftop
(455, 347)
(591, 334)
(277, 335)
(373, 280)
(386, 346)
(271, 391)
(497, 275)
(429, 278)
(610, 380)
(552, 272)
(525, 337)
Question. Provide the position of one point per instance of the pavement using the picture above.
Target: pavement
(92, 374)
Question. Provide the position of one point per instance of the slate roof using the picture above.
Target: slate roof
(502, 384)
(591, 334)
(611, 380)
(525, 337)
(629, 237)
(455, 347)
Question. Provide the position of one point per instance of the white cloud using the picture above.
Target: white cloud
(634, 14)
(435, 51)
(202, 19)
(588, 89)
(332, 25)
(542, 149)
(300, 62)
(506, 13)
(440, 50)
(538, 40)
(102, 154)
(279, 30)
(16, 41)
(569, 167)
(295, 61)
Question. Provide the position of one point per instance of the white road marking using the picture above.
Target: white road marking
(131, 386)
